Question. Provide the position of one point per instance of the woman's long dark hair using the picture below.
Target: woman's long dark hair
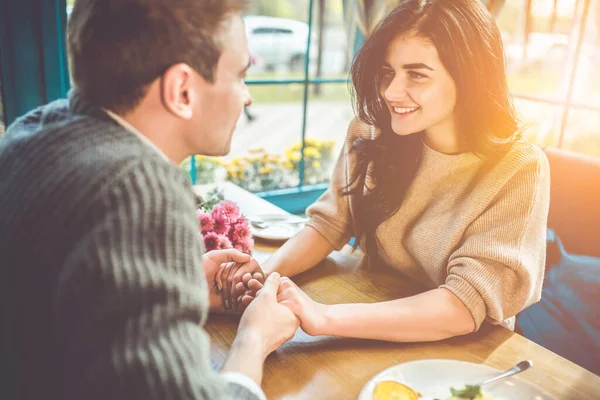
(469, 45)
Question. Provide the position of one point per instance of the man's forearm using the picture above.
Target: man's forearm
(246, 356)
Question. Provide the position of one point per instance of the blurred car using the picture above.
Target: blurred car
(277, 42)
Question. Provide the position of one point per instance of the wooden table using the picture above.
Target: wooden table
(337, 368)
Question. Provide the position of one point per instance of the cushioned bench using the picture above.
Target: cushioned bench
(567, 319)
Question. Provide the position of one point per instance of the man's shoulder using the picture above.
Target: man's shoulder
(53, 135)
(65, 155)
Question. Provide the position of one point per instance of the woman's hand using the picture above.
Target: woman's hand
(213, 262)
(233, 279)
(312, 315)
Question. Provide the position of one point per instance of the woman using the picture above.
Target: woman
(433, 180)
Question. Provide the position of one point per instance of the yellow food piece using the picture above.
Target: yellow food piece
(391, 390)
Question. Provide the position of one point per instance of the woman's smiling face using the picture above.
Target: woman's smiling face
(418, 91)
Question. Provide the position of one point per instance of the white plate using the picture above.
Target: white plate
(275, 231)
(434, 378)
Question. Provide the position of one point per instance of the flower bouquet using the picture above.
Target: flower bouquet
(224, 227)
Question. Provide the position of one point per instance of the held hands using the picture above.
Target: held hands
(235, 279)
(225, 268)
(312, 315)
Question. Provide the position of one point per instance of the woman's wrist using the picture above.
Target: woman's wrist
(269, 266)
(324, 322)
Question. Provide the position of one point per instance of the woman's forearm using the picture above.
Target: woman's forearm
(434, 315)
(302, 252)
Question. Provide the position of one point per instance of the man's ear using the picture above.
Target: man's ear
(177, 90)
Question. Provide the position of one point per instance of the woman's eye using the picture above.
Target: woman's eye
(387, 73)
(416, 75)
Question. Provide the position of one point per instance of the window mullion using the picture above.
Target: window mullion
(573, 70)
(305, 101)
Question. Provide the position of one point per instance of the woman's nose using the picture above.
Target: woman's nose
(396, 90)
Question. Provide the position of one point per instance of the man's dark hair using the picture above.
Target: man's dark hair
(118, 47)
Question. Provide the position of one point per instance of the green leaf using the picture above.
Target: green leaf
(469, 392)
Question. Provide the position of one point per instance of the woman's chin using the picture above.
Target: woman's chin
(403, 130)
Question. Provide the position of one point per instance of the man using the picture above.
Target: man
(105, 282)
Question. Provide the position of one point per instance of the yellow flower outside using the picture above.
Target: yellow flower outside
(311, 152)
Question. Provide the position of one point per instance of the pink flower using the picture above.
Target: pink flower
(246, 245)
(221, 221)
(224, 242)
(211, 241)
(205, 220)
(230, 209)
(240, 231)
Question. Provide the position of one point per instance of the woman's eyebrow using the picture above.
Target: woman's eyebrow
(417, 66)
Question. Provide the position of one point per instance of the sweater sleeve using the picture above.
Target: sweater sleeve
(132, 298)
(498, 269)
(331, 214)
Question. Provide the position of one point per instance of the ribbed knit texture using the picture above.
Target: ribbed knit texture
(104, 294)
(476, 230)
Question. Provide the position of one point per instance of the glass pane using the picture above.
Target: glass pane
(277, 32)
(536, 65)
(70, 4)
(2, 120)
(2, 114)
(258, 160)
(330, 55)
(540, 121)
(329, 114)
(586, 89)
(583, 132)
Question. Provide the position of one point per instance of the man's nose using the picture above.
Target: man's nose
(248, 100)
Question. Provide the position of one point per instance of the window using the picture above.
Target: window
(292, 133)
(552, 50)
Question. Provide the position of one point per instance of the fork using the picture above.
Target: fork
(517, 369)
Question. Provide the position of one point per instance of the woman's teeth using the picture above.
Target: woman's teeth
(401, 110)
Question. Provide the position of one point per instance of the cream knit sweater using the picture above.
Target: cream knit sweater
(484, 240)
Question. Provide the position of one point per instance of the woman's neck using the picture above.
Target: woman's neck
(444, 137)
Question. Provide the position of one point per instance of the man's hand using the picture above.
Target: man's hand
(264, 326)
(266, 320)
(213, 261)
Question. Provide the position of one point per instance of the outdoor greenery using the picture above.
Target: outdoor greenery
(260, 171)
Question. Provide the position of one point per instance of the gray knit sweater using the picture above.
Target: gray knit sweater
(103, 291)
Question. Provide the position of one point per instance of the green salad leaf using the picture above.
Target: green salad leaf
(469, 392)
